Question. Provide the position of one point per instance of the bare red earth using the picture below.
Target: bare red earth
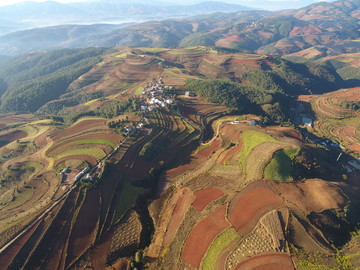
(84, 231)
(206, 196)
(80, 127)
(201, 237)
(249, 206)
(267, 262)
(13, 136)
(181, 207)
(10, 253)
(207, 151)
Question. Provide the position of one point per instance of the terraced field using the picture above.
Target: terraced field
(235, 218)
(334, 122)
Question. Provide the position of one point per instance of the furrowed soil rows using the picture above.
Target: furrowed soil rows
(182, 205)
(47, 241)
(267, 262)
(84, 230)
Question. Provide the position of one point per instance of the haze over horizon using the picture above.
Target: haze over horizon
(262, 4)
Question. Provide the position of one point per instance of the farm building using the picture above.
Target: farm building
(307, 121)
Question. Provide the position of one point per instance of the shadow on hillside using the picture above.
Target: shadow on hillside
(352, 83)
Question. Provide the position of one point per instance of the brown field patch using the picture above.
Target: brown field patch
(40, 140)
(9, 254)
(201, 237)
(12, 136)
(182, 205)
(208, 151)
(249, 205)
(84, 231)
(82, 126)
(267, 262)
(205, 196)
(312, 195)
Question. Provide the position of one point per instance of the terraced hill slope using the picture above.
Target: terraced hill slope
(168, 167)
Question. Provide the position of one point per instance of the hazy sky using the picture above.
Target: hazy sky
(267, 4)
(9, 2)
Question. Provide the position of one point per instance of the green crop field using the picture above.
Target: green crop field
(95, 152)
(250, 140)
(280, 166)
(220, 242)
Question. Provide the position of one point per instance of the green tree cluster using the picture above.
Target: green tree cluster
(34, 79)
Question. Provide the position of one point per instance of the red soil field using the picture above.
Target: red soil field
(235, 135)
(80, 127)
(84, 231)
(9, 254)
(180, 209)
(51, 236)
(247, 207)
(201, 237)
(205, 197)
(267, 262)
(40, 141)
(207, 151)
(100, 250)
(13, 136)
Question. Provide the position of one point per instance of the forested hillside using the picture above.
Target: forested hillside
(31, 80)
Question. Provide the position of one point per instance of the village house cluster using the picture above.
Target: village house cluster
(154, 95)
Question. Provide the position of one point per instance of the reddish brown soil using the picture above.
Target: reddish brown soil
(235, 136)
(206, 196)
(13, 136)
(9, 254)
(201, 237)
(100, 250)
(207, 151)
(93, 124)
(40, 141)
(247, 207)
(180, 209)
(267, 262)
(84, 231)
(122, 264)
(312, 195)
(195, 161)
(50, 239)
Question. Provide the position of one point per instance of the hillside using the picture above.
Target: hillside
(333, 25)
(63, 79)
(155, 157)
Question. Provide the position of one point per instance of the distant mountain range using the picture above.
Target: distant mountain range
(25, 15)
(334, 25)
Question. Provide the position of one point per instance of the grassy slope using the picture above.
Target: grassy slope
(279, 168)
(220, 242)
